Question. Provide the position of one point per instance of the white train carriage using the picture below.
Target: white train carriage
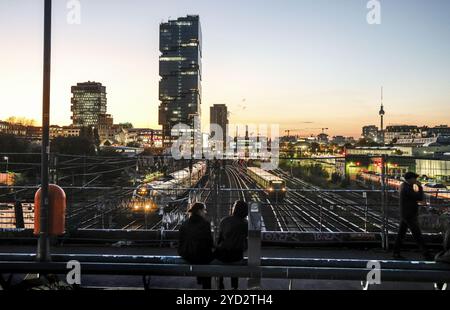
(148, 196)
(431, 189)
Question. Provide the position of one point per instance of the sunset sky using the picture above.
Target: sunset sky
(289, 62)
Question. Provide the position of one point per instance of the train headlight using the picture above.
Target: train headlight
(136, 207)
(271, 189)
(142, 191)
(147, 207)
(284, 189)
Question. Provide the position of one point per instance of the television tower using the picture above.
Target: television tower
(382, 113)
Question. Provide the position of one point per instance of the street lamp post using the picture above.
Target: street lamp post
(43, 251)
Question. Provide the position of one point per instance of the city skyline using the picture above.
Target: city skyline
(325, 73)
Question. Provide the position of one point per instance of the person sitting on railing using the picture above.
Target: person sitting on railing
(444, 256)
(232, 241)
(195, 240)
(409, 214)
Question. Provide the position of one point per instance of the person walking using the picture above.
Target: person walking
(409, 214)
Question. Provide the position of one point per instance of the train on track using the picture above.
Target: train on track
(274, 186)
(431, 189)
(169, 189)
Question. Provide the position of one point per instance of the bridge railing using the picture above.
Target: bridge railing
(254, 267)
(319, 214)
(317, 269)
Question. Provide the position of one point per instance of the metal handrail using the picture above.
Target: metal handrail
(187, 270)
(265, 261)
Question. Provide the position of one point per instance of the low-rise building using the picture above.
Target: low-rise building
(55, 132)
(396, 132)
(69, 131)
(33, 134)
(370, 132)
(144, 136)
(442, 130)
(322, 138)
(372, 151)
(424, 147)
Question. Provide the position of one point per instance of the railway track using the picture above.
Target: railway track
(341, 212)
(309, 211)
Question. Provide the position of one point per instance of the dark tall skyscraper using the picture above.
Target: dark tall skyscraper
(219, 115)
(88, 104)
(180, 70)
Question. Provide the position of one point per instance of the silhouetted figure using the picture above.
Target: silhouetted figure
(196, 241)
(409, 214)
(232, 241)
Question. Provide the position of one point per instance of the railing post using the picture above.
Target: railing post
(384, 235)
(386, 220)
(366, 210)
(254, 244)
(217, 201)
(18, 210)
(320, 213)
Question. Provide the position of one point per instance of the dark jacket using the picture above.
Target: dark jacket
(195, 241)
(408, 200)
(232, 240)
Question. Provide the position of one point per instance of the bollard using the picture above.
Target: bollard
(254, 243)
(57, 211)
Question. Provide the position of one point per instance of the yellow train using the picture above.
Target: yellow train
(274, 187)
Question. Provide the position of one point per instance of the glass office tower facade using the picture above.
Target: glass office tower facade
(88, 104)
(180, 71)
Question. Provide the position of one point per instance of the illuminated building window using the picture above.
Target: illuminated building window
(175, 58)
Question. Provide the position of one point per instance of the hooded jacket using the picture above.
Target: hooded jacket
(195, 240)
(232, 240)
